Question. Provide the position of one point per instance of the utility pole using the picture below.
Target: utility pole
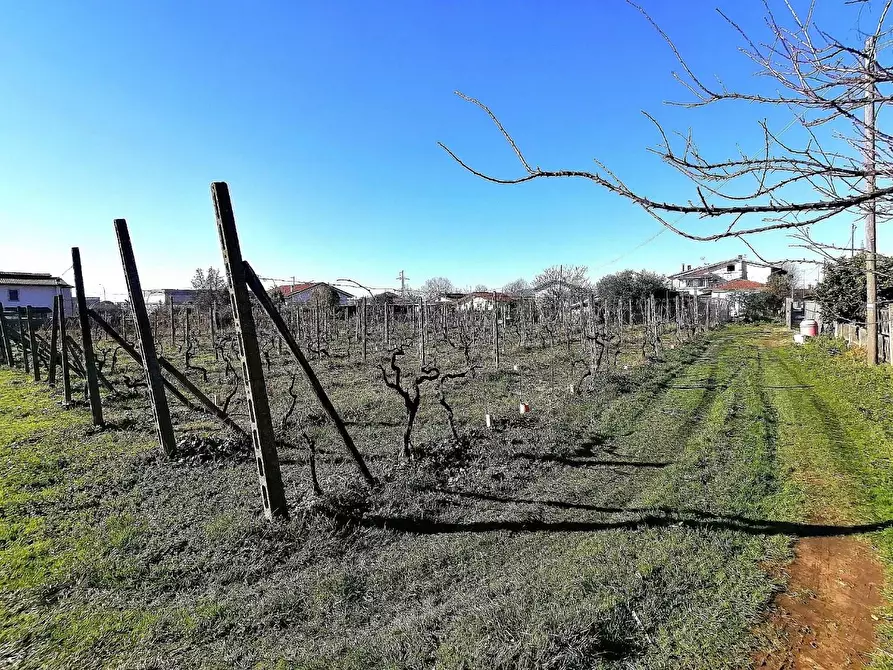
(402, 279)
(871, 213)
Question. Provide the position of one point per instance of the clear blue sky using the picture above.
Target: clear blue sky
(324, 117)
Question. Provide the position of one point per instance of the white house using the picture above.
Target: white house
(484, 300)
(704, 279)
(33, 289)
(734, 291)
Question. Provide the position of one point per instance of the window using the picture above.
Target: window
(730, 267)
(13, 295)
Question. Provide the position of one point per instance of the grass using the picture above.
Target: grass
(838, 439)
(625, 527)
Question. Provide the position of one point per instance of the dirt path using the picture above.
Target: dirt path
(826, 617)
(826, 614)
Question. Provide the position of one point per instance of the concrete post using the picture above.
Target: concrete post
(264, 439)
(87, 338)
(160, 410)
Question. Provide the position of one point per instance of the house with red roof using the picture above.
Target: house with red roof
(734, 291)
(300, 294)
(707, 279)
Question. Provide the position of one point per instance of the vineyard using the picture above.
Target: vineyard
(249, 483)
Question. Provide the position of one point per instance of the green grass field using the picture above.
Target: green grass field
(637, 526)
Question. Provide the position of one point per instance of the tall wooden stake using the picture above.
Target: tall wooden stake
(32, 344)
(66, 370)
(4, 338)
(160, 410)
(87, 339)
(265, 302)
(26, 364)
(272, 490)
(54, 342)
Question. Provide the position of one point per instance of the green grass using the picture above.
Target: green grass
(838, 441)
(620, 528)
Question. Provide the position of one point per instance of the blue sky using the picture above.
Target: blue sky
(324, 119)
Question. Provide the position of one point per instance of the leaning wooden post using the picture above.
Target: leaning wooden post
(87, 338)
(272, 490)
(4, 338)
(54, 342)
(265, 302)
(32, 344)
(160, 410)
(66, 370)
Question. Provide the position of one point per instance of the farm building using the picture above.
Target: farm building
(34, 289)
(300, 294)
(171, 296)
(485, 300)
(733, 291)
(710, 277)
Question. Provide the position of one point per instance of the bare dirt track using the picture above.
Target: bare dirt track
(827, 612)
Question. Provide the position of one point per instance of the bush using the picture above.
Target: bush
(841, 293)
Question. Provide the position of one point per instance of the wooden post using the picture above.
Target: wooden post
(212, 325)
(423, 327)
(186, 329)
(173, 322)
(365, 331)
(87, 338)
(495, 330)
(32, 344)
(263, 437)
(4, 338)
(265, 302)
(26, 364)
(54, 342)
(66, 370)
(160, 410)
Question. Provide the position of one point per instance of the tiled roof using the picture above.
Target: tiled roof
(31, 279)
(296, 288)
(739, 285)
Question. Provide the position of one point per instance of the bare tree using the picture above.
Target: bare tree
(833, 86)
(516, 287)
(437, 286)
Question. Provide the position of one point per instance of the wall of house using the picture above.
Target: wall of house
(758, 273)
(36, 296)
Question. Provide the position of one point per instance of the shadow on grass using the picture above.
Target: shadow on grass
(588, 462)
(658, 517)
(667, 519)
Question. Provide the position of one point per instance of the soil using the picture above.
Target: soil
(827, 613)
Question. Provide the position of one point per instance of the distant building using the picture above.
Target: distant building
(734, 291)
(485, 300)
(706, 278)
(33, 289)
(447, 298)
(300, 294)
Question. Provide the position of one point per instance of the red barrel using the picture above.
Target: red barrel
(809, 328)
